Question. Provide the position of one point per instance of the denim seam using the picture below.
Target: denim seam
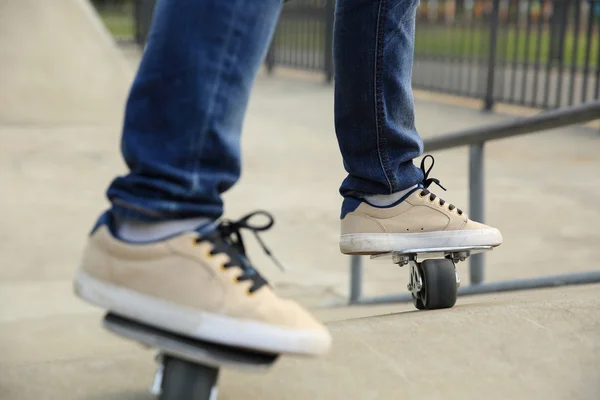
(403, 20)
(198, 140)
(381, 142)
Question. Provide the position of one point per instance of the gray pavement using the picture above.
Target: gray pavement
(542, 191)
(529, 345)
(58, 64)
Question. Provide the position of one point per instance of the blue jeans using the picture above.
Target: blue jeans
(184, 114)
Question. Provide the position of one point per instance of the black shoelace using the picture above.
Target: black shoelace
(427, 181)
(227, 239)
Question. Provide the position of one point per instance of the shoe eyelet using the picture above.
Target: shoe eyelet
(421, 195)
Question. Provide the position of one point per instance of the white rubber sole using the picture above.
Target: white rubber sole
(373, 243)
(217, 328)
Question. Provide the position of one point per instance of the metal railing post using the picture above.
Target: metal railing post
(143, 18)
(328, 37)
(491, 71)
(270, 58)
(135, 17)
(355, 278)
(476, 205)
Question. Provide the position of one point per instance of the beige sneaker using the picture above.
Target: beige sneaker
(198, 284)
(420, 220)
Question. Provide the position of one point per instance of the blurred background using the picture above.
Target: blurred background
(507, 97)
(542, 53)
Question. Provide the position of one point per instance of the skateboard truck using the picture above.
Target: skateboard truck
(156, 388)
(433, 278)
(159, 377)
(187, 368)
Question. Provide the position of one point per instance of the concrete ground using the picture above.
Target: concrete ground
(542, 191)
(57, 63)
(527, 345)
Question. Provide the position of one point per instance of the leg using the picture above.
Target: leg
(374, 111)
(375, 126)
(181, 141)
(181, 134)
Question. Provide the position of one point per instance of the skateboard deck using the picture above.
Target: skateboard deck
(188, 368)
(434, 253)
(189, 349)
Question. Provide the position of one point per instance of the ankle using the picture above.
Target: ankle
(383, 200)
(140, 231)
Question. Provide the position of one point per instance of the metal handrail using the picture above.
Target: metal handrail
(475, 139)
(545, 120)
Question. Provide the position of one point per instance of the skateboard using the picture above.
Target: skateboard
(187, 368)
(433, 279)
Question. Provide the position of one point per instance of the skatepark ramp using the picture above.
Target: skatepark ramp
(476, 138)
(58, 63)
(511, 346)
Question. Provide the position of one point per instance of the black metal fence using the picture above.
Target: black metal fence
(304, 36)
(529, 52)
(143, 12)
(538, 53)
(127, 20)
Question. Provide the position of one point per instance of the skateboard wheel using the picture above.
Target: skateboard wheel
(186, 380)
(417, 302)
(439, 284)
